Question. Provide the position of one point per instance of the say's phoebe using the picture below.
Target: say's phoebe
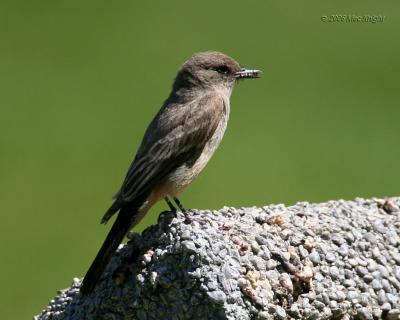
(176, 147)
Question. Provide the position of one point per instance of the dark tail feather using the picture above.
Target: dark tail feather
(117, 233)
(111, 211)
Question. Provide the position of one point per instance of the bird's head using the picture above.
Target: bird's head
(211, 70)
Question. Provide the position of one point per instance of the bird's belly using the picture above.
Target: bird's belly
(184, 174)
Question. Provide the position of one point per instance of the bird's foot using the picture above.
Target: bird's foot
(185, 212)
(181, 208)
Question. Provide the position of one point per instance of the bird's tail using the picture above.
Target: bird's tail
(111, 211)
(117, 233)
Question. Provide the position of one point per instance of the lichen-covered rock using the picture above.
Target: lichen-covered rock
(334, 260)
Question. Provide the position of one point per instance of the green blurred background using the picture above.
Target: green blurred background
(79, 82)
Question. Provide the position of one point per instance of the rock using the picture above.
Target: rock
(361, 271)
(376, 285)
(218, 296)
(393, 314)
(330, 257)
(314, 257)
(280, 312)
(364, 314)
(334, 260)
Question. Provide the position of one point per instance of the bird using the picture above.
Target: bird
(177, 145)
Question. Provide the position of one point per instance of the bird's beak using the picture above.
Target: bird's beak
(248, 73)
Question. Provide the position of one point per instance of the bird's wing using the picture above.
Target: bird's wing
(182, 144)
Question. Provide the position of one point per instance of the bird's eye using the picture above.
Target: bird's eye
(222, 69)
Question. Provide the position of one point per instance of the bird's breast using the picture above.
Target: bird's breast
(185, 174)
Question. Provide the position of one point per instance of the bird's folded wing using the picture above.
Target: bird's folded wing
(182, 144)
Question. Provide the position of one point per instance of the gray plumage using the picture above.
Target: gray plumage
(177, 145)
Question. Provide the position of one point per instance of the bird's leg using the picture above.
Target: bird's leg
(188, 220)
(170, 205)
(179, 204)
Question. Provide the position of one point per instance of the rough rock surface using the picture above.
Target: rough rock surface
(334, 260)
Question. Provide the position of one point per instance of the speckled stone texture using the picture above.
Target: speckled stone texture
(334, 260)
